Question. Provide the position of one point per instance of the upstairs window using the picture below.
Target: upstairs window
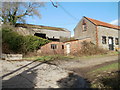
(116, 41)
(103, 39)
(84, 25)
(53, 46)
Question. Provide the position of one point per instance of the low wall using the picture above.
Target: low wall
(12, 56)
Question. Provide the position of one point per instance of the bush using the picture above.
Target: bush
(32, 43)
(89, 48)
(12, 39)
(20, 44)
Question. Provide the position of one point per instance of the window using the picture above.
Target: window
(84, 25)
(103, 39)
(53, 46)
(116, 41)
(62, 46)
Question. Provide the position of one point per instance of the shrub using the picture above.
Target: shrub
(12, 39)
(32, 43)
(20, 44)
(89, 48)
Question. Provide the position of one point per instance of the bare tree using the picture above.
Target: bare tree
(11, 12)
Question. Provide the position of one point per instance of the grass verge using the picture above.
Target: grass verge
(50, 58)
(105, 77)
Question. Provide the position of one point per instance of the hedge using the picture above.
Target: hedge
(21, 44)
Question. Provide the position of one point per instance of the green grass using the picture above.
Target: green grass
(104, 77)
(109, 67)
(110, 53)
(50, 58)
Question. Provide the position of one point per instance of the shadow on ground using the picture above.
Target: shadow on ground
(111, 81)
(26, 79)
(72, 81)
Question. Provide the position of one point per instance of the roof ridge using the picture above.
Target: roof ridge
(101, 23)
(41, 27)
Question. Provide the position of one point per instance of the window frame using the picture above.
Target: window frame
(117, 43)
(53, 46)
(104, 37)
(84, 26)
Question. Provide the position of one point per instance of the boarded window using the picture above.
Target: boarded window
(103, 39)
(116, 41)
(84, 25)
(53, 46)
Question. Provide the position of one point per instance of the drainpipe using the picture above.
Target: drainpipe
(96, 36)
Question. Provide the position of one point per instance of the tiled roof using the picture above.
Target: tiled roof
(40, 27)
(100, 23)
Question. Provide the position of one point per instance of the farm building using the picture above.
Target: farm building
(50, 33)
(103, 34)
(68, 47)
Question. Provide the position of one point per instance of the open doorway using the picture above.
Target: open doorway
(110, 43)
(42, 35)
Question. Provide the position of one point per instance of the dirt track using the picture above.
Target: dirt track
(82, 66)
(85, 62)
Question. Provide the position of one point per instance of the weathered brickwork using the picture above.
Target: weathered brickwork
(61, 48)
(46, 49)
(75, 45)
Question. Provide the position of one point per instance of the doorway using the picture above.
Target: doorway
(110, 43)
(68, 48)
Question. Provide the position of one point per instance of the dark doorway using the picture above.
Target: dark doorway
(110, 43)
(42, 35)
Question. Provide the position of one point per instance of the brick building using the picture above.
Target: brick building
(68, 47)
(103, 34)
(52, 48)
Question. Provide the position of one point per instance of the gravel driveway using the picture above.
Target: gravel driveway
(34, 74)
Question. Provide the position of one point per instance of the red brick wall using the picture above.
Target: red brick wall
(75, 45)
(46, 49)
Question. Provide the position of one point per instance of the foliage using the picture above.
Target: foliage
(14, 40)
(89, 48)
(109, 80)
(12, 12)
(20, 44)
(32, 43)
(49, 57)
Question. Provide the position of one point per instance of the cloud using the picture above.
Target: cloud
(115, 22)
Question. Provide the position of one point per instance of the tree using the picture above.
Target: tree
(12, 12)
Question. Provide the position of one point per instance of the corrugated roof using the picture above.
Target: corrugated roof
(41, 27)
(100, 23)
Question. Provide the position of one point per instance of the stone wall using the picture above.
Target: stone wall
(89, 33)
(108, 32)
(12, 56)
